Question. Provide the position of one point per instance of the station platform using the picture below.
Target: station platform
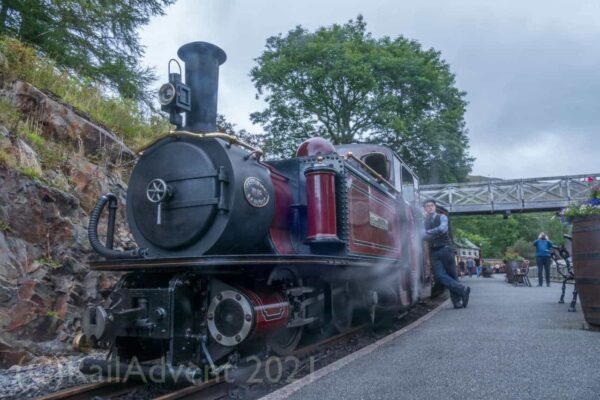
(509, 343)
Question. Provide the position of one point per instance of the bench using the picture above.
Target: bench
(562, 258)
(521, 275)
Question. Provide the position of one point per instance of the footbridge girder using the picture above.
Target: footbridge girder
(506, 196)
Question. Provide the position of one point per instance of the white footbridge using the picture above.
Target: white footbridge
(507, 196)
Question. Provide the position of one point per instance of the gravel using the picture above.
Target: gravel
(43, 376)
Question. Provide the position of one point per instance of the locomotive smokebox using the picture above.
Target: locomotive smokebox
(202, 61)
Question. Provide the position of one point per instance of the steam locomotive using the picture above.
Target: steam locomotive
(237, 252)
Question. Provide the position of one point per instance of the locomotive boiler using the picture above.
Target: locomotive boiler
(238, 253)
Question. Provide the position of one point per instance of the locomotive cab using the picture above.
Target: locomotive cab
(386, 164)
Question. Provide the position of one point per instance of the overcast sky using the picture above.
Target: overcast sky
(531, 69)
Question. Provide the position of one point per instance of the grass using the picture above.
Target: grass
(4, 227)
(59, 182)
(29, 172)
(34, 138)
(50, 262)
(7, 159)
(9, 114)
(51, 154)
(122, 116)
(52, 314)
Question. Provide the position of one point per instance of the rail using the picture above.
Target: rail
(216, 388)
(102, 389)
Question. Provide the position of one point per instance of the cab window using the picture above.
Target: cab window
(378, 162)
(409, 184)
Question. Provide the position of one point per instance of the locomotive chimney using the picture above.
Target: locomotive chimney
(202, 61)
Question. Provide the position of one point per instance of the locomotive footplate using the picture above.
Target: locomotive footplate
(221, 263)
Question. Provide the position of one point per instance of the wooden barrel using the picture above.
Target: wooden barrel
(511, 266)
(586, 265)
(487, 271)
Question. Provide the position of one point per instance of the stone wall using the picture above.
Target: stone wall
(44, 277)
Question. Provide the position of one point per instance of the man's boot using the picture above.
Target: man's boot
(465, 297)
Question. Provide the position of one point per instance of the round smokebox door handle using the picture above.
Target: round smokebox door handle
(157, 191)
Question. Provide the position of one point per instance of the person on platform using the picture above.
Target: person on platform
(543, 249)
(442, 255)
(478, 266)
(461, 267)
(470, 266)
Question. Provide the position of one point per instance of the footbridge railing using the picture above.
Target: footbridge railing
(504, 196)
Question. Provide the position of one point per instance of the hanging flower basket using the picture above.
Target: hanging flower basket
(588, 208)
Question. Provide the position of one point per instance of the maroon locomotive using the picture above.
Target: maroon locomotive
(238, 253)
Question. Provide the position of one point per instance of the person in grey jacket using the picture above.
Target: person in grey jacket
(442, 255)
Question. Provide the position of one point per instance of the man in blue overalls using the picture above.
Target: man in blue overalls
(442, 255)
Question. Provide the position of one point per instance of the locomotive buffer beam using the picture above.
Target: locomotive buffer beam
(98, 321)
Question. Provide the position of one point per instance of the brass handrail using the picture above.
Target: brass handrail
(217, 135)
(370, 170)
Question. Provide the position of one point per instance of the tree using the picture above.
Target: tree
(230, 128)
(523, 248)
(530, 226)
(95, 38)
(515, 234)
(341, 83)
(478, 240)
(500, 232)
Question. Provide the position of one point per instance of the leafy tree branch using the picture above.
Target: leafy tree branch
(341, 83)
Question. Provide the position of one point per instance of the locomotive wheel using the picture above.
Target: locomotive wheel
(342, 308)
(284, 342)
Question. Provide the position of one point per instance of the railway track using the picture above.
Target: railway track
(111, 388)
(115, 389)
(306, 360)
(212, 389)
